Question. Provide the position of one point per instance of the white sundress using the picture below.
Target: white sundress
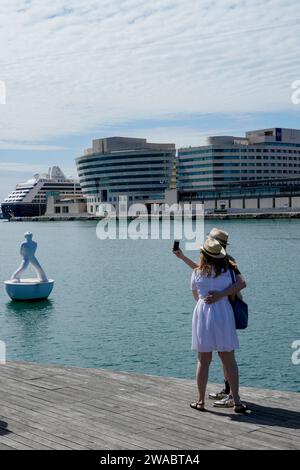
(213, 325)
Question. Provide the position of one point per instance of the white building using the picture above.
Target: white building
(119, 167)
(263, 162)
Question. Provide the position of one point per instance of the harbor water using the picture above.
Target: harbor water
(127, 304)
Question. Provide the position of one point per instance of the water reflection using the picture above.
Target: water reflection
(31, 322)
(26, 310)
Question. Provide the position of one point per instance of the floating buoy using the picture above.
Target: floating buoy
(29, 289)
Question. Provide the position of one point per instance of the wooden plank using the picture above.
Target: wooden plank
(15, 444)
(37, 436)
(254, 441)
(77, 430)
(57, 407)
(5, 447)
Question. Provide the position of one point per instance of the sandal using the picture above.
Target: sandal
(240, 408)
(198, 406)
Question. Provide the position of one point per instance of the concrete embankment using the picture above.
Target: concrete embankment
(221, 216)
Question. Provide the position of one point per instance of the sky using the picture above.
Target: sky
(167, 70)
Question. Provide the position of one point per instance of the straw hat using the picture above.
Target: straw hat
(212, 247)
(219, 235)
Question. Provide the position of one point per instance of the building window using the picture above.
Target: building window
(57, 210)
(65, 209)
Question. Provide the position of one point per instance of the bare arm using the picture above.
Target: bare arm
(185, 259)
(231, 291)
(195, 295)
(240, 280)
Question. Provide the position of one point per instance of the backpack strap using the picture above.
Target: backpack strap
(232, 274)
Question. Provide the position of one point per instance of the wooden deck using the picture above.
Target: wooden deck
(52, 407)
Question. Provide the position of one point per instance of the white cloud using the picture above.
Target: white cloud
(4, 145)
(17, 167)
(27, 168)
(80, 65)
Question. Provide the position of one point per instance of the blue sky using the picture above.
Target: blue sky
(166, 70)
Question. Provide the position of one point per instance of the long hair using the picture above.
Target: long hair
(209, 265)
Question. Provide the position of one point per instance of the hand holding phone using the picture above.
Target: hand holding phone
(176, 245)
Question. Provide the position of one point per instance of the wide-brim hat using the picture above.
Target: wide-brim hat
(219, 235)
(213, 248)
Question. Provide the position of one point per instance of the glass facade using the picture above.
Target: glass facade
(255, 188)
(140, 174)
(213, 169)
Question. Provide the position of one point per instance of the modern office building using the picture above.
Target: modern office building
(116, 167)
(263, 163)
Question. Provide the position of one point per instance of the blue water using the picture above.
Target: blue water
(127, 305)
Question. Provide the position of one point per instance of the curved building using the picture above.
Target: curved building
(119, 166)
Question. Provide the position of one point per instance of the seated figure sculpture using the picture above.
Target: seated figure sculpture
(28, 250)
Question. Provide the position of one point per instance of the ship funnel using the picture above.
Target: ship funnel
(55, 173)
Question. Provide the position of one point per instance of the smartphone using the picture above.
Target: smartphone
(176, 245)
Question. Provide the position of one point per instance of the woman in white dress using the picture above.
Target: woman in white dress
(213, 326)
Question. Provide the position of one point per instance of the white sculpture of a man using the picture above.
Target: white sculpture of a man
(28, 249)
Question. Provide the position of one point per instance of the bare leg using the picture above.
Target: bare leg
(17, 275)
(232, 371)
(204, 360)
(39, 270)
(224, 370)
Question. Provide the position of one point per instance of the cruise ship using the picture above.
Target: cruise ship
(29, 199)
